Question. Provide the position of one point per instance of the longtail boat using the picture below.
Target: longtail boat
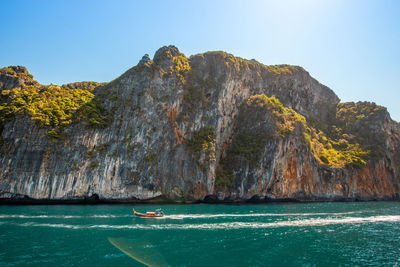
(148, 214)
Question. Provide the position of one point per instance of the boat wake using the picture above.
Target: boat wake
(226, 225)
(172, 216)
(207, 216)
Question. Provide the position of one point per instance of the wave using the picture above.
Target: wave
(256, 225)
(225, 226)
(51, 225)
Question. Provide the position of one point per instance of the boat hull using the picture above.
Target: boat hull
(147, 215)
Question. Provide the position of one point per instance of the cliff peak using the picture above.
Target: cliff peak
(166, 52)
(19, 69)
(15, 76)
(14, 70)
(144, 60)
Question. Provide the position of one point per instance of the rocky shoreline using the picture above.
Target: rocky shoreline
(208, 200)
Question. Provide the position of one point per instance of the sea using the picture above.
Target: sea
(282, 234)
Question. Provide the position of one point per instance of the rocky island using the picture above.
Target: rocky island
(211, 127)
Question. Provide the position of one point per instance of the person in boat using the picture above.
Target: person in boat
(159, 211)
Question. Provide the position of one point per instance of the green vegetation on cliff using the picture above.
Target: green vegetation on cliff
(53, 106)
(180, 63)
(338, 152)
(285, 118)
(240, 64)
(203, 141)
(180, 66)
(352, 138)
(89, 86)
(362, 123)
(362, 114)
(335, 153)
(262, 118)
(16, 71)
(94, 113)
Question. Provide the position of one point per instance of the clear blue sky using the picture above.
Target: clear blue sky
(352, 46)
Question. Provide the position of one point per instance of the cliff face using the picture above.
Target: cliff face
(207, 127)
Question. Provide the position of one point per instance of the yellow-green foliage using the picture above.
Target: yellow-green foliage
(250, 132)
(94, 165)
(363, 123)
(151, 157)
(90, 153)
(180, 63)
(54, 106)
(282, 69)
(203, 141)
(7, 70)
(50, 105)
(249, 143)
(22, 74)
(180, 66)
(95, 114)
(260, 120)
(366, 112)
(237, 63)
(286, 118)
(335, 153)
(353, 138)
(89, 86)
(240, 64)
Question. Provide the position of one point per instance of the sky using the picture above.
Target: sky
(352, 46)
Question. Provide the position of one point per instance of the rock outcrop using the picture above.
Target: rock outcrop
(209, 127)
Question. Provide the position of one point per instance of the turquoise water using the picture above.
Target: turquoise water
(314, 234)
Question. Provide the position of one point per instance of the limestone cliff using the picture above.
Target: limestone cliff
(209, 127)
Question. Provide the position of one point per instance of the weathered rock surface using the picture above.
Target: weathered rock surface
(179, 128)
